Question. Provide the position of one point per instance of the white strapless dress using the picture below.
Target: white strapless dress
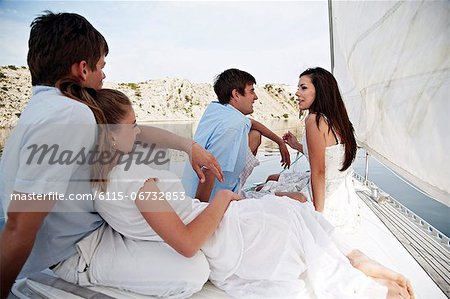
(341, 208)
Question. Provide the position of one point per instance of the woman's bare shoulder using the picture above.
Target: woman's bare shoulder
(311, 122)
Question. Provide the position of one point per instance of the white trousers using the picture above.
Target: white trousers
(106, 258)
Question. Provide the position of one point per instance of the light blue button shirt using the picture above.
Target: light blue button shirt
(51, 119)
(223, 131)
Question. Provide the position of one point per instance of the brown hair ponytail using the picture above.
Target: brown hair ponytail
(109, 108)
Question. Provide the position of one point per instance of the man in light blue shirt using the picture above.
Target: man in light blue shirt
(226, 132)
(45, 159)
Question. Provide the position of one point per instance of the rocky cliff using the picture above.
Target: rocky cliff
(161, 99)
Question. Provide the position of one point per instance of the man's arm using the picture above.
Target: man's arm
(17, 238)
(294, 195)
(199, 157)
(204, 189)
(266, 132)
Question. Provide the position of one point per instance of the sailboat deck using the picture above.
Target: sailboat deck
(433, 256)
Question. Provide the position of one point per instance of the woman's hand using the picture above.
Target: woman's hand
(292, 141)
(199, 158)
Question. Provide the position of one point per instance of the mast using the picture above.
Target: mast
(330, 25)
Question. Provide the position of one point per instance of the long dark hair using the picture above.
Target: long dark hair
(109, 107)
(329, 103)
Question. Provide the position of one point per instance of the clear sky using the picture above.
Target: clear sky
(274, 41)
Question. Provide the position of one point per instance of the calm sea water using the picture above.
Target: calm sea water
(427, 208)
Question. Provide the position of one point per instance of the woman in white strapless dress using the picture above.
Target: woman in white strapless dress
(341, 206)
(330, 146)
(272, 247)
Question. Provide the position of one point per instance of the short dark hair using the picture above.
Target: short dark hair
(57, 41)
(229, 80)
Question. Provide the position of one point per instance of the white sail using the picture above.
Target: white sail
(391, 60)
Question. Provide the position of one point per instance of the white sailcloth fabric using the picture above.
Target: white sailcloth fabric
(268, 247)
(393, 69)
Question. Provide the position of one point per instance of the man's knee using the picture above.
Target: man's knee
(187, 278)
(254, 140)
(144, 267)
(197, 270)
(166, 276)
(153, 268)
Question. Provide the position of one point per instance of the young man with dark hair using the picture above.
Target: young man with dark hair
(53, 50)
(43, 232)
(233, 138)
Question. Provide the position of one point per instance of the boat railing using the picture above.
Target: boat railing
(426, 244)
(381, 197)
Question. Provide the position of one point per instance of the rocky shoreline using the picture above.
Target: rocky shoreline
(153, 100)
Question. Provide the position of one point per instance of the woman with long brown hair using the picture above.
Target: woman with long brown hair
(330, 145)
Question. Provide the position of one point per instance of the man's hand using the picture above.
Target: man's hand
(202, 158)
(16, 242)
(285, 155)
(266, 132)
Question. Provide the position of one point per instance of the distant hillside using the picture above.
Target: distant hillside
(15, 91)
(161, 99)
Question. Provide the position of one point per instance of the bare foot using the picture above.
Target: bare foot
(410, 289)
(374, 269)
(395, 291)
(405, 283)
